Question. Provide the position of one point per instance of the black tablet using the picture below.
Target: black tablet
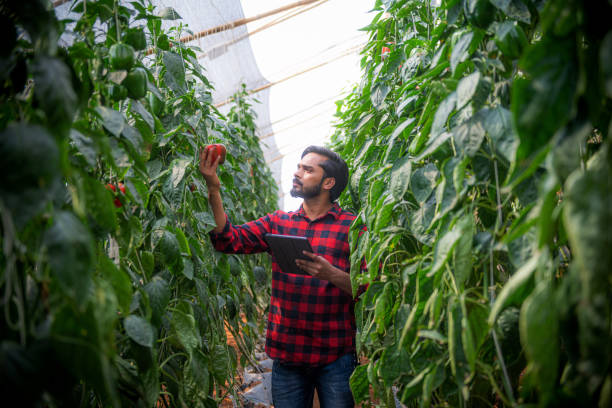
(286, 249)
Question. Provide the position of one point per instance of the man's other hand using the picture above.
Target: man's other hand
(318, 267)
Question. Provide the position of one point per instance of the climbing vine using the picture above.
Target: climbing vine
(111, 293)
(478, 143)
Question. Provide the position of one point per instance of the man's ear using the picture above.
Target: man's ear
(329, 183)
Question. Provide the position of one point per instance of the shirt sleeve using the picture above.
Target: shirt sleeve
(242, 239)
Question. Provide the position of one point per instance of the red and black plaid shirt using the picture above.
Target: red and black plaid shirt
(310, 321)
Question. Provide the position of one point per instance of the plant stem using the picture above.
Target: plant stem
(117, 28)
(498, 350)
(242, 347)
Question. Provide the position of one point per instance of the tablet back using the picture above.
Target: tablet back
(288, 248)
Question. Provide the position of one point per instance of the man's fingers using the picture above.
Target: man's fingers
(310, 266)
(305, 266)
(208, 159)
(310, 254)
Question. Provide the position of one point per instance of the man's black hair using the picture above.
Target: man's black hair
(334, 167)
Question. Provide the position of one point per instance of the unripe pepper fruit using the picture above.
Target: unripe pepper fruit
(136, 38)
(136, 83)
(121, 56)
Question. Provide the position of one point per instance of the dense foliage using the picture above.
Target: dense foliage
(111, 294)
(480, 154)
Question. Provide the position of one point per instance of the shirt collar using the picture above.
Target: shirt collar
(334, 211)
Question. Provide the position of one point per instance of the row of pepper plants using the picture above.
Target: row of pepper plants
(111, 293)
(479, 147)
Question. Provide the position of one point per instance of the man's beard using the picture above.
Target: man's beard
(306, 193)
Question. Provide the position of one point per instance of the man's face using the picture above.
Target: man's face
(308, 178)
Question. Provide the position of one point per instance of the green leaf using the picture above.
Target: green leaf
(86, 146)
(587, 218)
(569, 142)
(542, 102)
(515, 9)
(175, 72)
(539, 326)
(466, 88)
(100, 206)
(137, 190)
(168, 251)
(414, 386)
(205, 221)
(137, 108)
(498, 124)
(182, 240)
(433, 145)
(462, 256)
(475, 330)
(401, 127)
(112, 120)
(220, 362)
(423, 181)
(196, 371)
(384, 305)
(134, 140)
(187, 268)
(384, 216)
(357, 255)
(434, 379)
(515, 290)
(510, 39)
(178, 171)
(159, 294)
(82, 344)
(467, 339)
(139, 330)
(405, 104)
(71, 255)
(54, 91)
(359, 383)
(184, 327)
(119, 280)
(364, 121)
(447, 195)
(379, 93)
(444, 110)
(420, 221)
(400, 177)
(443, 249)
(432, 335)
(455, 343)
(468, 137)
(461, 50)
(130, 235)
(30, 168)
(394, 362)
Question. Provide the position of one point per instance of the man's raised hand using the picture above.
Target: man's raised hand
(208, 168)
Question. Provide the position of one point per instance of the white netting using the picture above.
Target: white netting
(301, 60)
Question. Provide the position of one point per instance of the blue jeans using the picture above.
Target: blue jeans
(293, 386)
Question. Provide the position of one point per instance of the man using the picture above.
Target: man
(311, 324)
